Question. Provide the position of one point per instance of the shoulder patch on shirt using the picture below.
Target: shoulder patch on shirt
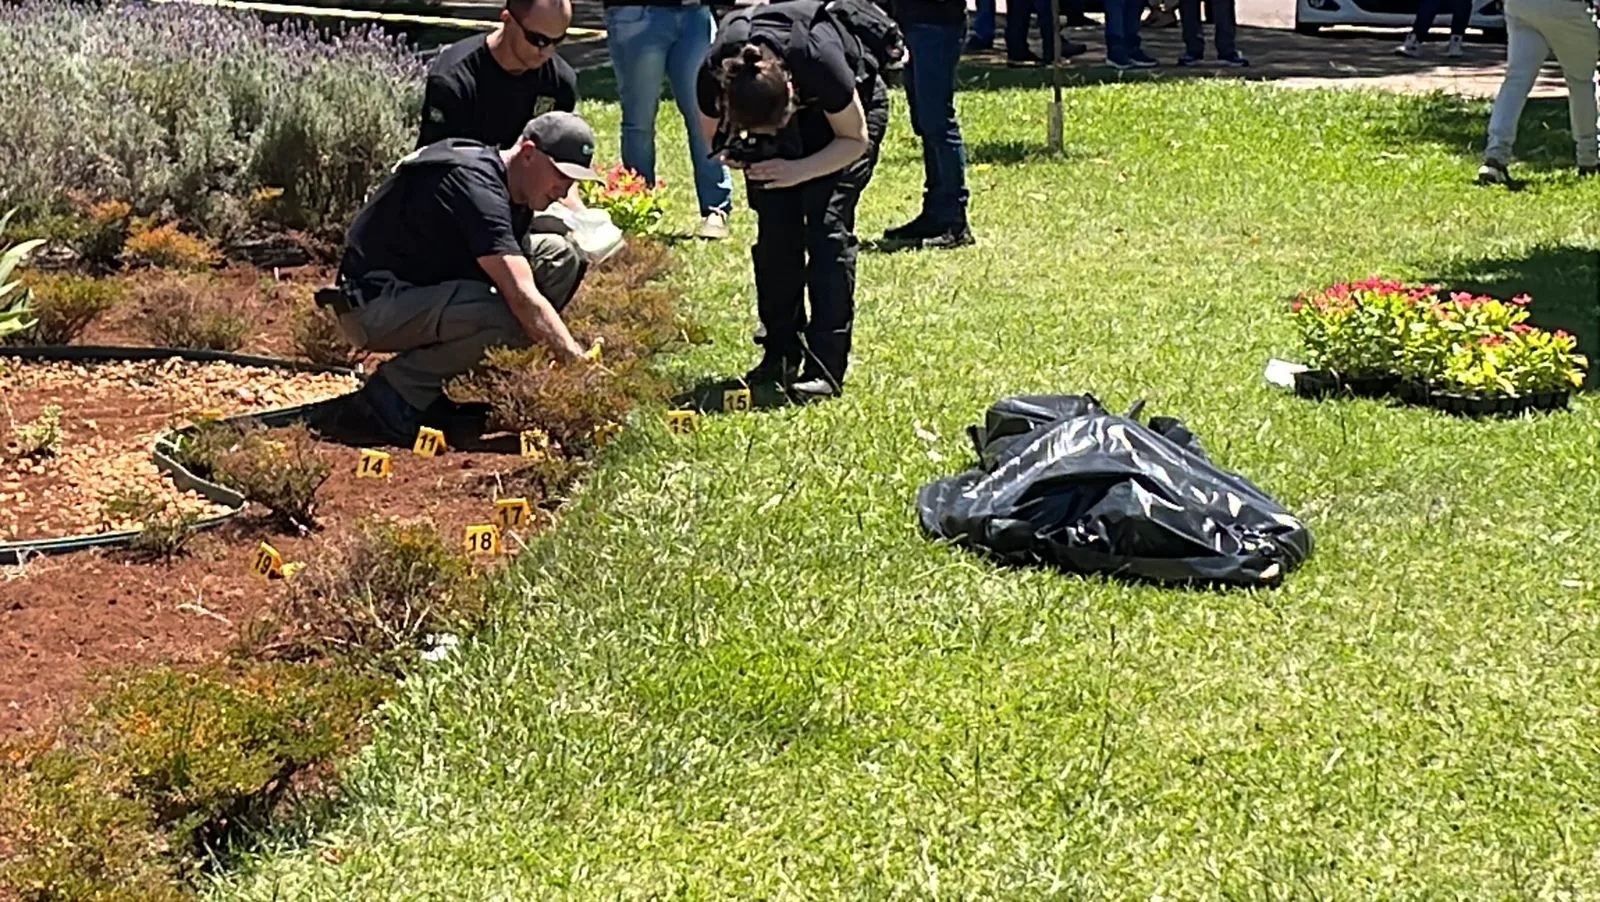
(435, 114)
(543, 105)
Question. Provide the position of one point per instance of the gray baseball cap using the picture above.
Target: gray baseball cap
(566, 139)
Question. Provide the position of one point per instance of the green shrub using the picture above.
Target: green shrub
(621, 305)
(75, 833)
(182, 110)
(215, 750)
(376, 597)
(282, 474)
(16, 314)
(318, 338)
(65, 305)
(182, 312)
(39, 437)
(164, 531)
(104, 233)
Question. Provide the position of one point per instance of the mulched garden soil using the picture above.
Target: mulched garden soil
(65, 617)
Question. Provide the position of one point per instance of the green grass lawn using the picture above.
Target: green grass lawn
(737, 670)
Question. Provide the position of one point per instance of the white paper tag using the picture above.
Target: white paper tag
(1281, 372)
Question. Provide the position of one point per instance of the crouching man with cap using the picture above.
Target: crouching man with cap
(440, 266)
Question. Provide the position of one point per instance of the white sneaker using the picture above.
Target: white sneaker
(714, 227)
(1412, 47)
(1454, 51)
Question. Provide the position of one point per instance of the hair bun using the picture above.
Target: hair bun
(751, 55)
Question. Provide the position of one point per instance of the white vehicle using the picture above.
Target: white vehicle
(1310, 16)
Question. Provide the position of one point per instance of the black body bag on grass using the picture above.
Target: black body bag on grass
(1061, 481)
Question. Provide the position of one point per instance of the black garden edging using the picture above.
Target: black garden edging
(1322, 384)
(165, 450)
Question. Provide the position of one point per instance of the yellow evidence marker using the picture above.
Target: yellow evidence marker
(681, 422)
(430, 442)
(268, 563)
(511, 513)
(535, 443)
(483, 539)
(605, 433)
(737, 399)
(374, 465)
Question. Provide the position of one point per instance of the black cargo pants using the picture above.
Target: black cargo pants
(806, 242)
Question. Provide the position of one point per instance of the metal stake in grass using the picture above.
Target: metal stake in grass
(1054, 137)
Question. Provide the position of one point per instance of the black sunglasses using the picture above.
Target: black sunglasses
(539, 41)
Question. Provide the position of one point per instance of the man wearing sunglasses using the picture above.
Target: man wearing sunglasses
(487, 87)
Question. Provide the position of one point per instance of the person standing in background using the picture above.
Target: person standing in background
(981, 39)
(1018, 53)
(648, 40)
(1123, 49)
(1535, 28)
(487, 87)
(935, 31)
(1460, 17)
(1227, 31)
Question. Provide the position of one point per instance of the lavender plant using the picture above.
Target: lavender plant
(188, 111)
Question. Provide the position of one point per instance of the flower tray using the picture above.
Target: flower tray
(1494, 405)
(1327, 384)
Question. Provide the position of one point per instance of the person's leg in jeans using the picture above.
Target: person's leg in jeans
(983, 22)
(713, 184)
(944, 201)
(1226, 30)
(1132, 17)
(1571, 34)
(1123, 47)
(1194, 42)
(1526, 51)
(637, 39)
(1460, 17)
(779, 256)
(1116, 29)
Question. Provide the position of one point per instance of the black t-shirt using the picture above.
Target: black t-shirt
(468, 95)
(823, 79)
(447, 206)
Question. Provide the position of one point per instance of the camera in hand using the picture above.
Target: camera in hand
(746, 148)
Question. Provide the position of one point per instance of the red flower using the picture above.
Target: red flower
(1521, 300)
(1563, 334)
(1492, 340)
(1297, 306)
(1521, 328)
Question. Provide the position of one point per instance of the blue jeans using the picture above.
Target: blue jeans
(983, 23)
(1122, 28)
(1018, 16)
(647, 43)
(930, 80)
